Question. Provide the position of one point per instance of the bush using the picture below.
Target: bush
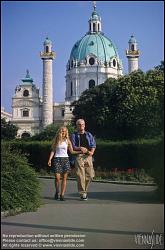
(20, 186)
(37, 152)
(8, 130)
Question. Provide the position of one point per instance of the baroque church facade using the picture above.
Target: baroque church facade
(93, 59)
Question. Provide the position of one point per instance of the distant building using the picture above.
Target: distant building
(93, 59)
(6, 115)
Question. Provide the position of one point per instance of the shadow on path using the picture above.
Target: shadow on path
(127, 196)
(118, 196)
(77, 229)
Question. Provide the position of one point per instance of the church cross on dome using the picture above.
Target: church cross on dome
(94, 5)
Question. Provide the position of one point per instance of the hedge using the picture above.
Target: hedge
(140, 154)
(19, 183)
(146, 154)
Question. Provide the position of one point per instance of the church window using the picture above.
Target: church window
(25, 113)
(26, 92)
(47, 49)
(25, 135)
(91, 61)
(71, 88)
(98, 26)
(91, 43)
(72, 64)
(114, 63)
(91, 84)
(62, 112)
(94, 27)
(132, 47)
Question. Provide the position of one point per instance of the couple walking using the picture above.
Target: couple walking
(82, 145)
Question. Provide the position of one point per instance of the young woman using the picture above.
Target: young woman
(61, 165)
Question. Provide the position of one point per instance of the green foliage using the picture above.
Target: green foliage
(19, 183)
(161, 66)
(48, 133)
(37, 152)
(8, 130)
(127, 108)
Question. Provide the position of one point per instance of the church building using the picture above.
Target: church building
(93, 59)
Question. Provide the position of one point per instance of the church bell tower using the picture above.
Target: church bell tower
(133, 55)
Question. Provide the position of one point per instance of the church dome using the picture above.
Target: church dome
(94, 44)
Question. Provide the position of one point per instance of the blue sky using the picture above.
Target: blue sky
(26, 24)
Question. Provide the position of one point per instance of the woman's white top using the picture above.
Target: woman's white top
(61, 149)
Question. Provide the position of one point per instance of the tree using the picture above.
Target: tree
(8, 130)
(161, 66)
(126, 108)
(48, 133)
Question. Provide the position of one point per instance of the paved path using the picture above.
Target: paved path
(114, 217)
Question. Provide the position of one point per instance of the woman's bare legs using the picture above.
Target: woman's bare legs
(57, 182)
(63, 184)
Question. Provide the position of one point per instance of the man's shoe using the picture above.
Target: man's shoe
(62, 198)
(84, 197)
(56, 196)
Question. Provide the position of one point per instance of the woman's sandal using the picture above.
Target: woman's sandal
(62, 198)
(56, 196)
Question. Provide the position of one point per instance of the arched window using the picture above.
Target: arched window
(91, 84)
(98, 27)
(26, 92)
(62, 112)
(91, 61)
(114, 63)
(25, 135)
(132, 47)
(94, 27)
(72, 64)
(71, 88)
(47, 49)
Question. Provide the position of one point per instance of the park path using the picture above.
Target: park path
(115, 216)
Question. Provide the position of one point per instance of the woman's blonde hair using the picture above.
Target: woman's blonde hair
(58, 137)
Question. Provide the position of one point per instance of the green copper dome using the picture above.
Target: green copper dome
(27, 79)
(96, 44)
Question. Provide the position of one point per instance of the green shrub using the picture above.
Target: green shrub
(37, 152)
(20, 186)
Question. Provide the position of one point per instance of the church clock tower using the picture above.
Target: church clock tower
(26, 106)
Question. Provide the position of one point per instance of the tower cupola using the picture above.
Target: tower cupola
(47, 45)
(27, 79)
(132, 54)
(94, 21)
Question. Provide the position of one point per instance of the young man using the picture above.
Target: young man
(84, 141)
